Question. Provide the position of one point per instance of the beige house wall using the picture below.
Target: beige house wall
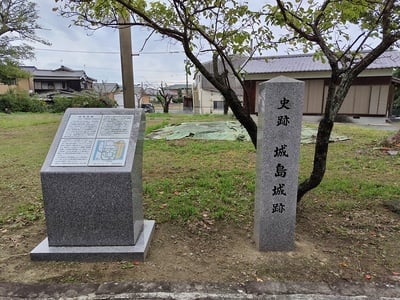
(4, 88)
(383, 99)
(203, 102)
(369, 97)
(360, 100)
(314, 92)
(315, 74)
(145, 98)
(206, 100)
(23, 84)
(375, 95)
(364, 99)
(202, 99)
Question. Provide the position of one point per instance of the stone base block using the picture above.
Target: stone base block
(138, 252)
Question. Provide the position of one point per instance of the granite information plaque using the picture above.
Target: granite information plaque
(92, 188)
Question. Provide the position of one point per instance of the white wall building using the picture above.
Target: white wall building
(206, 98)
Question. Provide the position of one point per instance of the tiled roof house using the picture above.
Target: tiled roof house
(370, 94)
(60, 79)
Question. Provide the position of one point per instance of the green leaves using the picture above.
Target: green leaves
(338, 28)
(206, 26)
(18, 23)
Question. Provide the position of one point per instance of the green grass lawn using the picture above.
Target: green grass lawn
(190, 180)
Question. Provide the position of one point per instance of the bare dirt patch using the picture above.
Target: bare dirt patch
(226, 253)
(393, 141)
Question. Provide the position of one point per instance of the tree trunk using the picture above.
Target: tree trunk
(165, 108)
(226, 107)
(337, 91)
(320, 157)
(241, 114)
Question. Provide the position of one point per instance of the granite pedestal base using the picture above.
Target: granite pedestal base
(138, 252)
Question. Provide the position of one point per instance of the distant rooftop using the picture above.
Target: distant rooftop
(307, 63)
(106, 87)
(61, 73)
(179, 86)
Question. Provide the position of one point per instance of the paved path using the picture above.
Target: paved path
(183, 291)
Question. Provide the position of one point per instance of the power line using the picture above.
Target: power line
(110, 52)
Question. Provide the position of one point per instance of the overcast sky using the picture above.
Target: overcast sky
(97, 53)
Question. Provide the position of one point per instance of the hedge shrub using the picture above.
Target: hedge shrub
(16, 100)
(84, 99)
(21, 101)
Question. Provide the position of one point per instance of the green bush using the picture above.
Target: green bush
(20, 101)
(85, 99)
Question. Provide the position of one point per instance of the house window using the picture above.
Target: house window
(218, 105)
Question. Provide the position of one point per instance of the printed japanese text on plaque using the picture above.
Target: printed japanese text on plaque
(94, 140)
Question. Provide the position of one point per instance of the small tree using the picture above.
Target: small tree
(164, 97)
(340, 31)
(18, 24)
(349, 35)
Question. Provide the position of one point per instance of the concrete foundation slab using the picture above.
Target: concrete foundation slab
(138, 252)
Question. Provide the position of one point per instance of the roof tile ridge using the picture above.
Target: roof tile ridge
(283, 56)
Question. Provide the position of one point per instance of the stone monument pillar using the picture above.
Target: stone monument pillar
(278, 147)
(92, 188)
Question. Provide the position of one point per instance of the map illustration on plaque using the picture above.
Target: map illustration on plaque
(109, 152)
(94, 140)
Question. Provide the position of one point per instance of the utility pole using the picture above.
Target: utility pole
(125, 44)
